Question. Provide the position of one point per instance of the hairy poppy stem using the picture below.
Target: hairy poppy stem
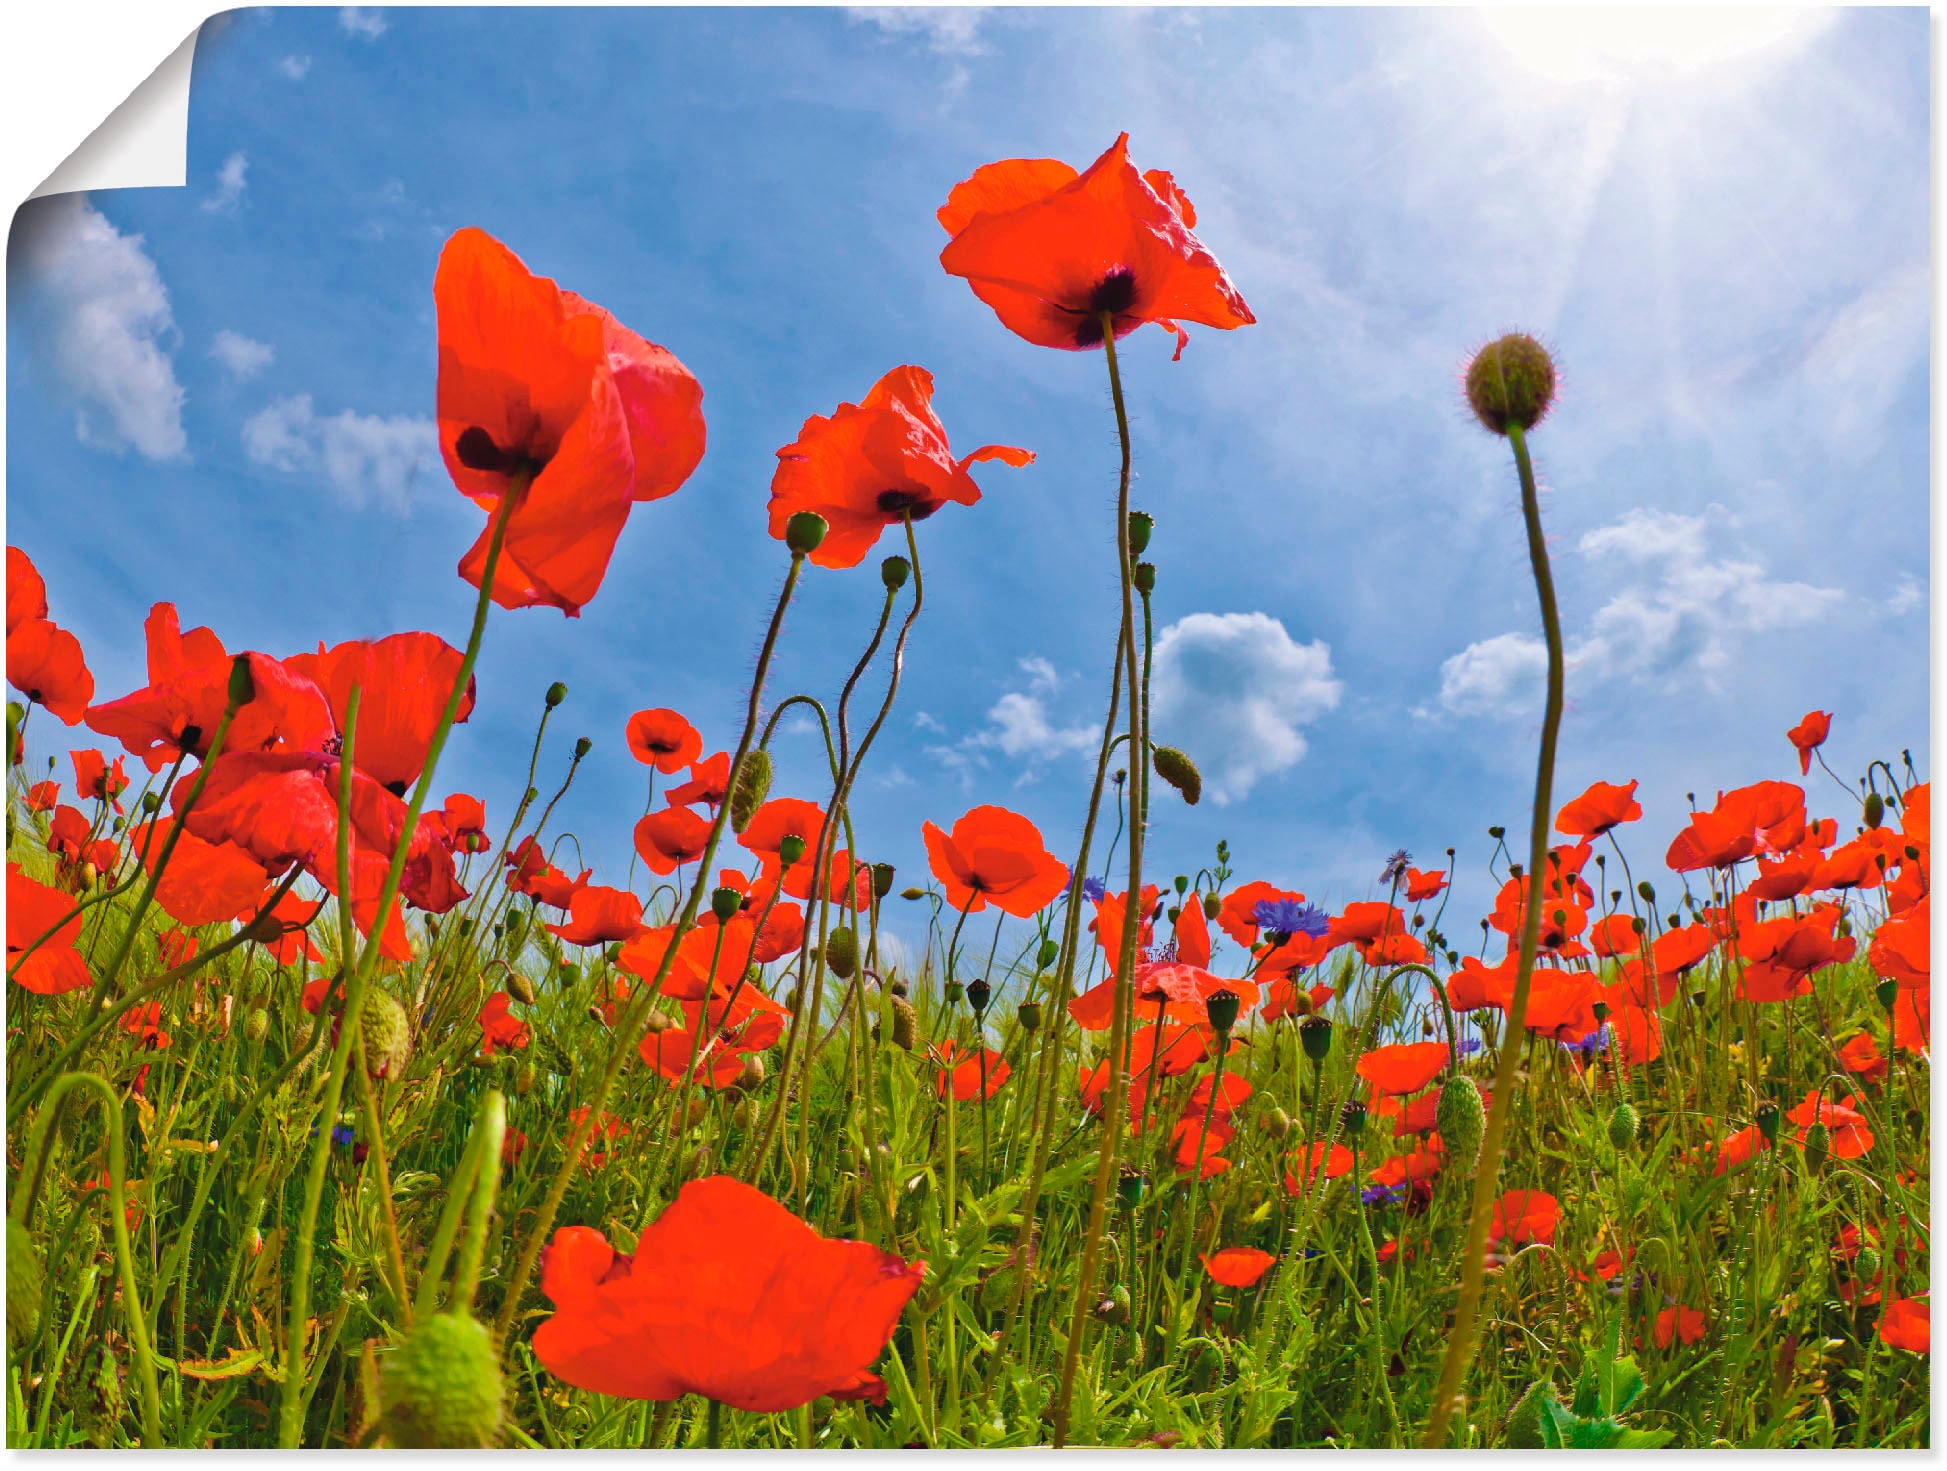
(1460, 1342)
(1116, 1099)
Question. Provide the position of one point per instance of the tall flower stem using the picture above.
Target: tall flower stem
(1116, 1100)
(1460, 1342)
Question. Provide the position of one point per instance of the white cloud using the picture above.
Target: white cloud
(100, 320)
(1232, 690)
(1680, 617)
(950, 30)
(1497, 676)
(1861, 361)
(1019, 727)
(365, 457)
(362, 21)
(295, 67)
(1909, 593)
(229, 184)
(242, 357)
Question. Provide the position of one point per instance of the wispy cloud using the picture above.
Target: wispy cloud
(1019, 726)
(949, 30)
(1233, 690)
(366, 458)
(100, 325)
(363, 21)
(241, 357)
(230, 181)
(294, 67)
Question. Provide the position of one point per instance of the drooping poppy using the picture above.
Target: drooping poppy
(709, 783)
(45, 663)
(662, 739)
(729, 1296)
(1404, 1068)
(1808, 735)
(599, 916)
(95, 779)
(994, 855)
(966, 1069)
(547, 397)
(1906, 1323)
(404, 681)
(498, 1027)
(1522, 1216)
(26, 592)
(144, 1024)
(1603, 806)
(670, 838)
(1237, 1266)
(873, 464)
(34, 908)
(1052, 251)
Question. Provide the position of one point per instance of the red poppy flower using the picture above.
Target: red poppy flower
(1405, 1068)
(994, 854)
(1847, 1126)
(1615, 934)
(1683, 1324)
(1405, 1169)
(872, 464)
(1107, 923)
(1905, 1323)
(782, 931)
(675, 1055)
(967, 1072)
(1285, 997)
(1767, 816)
(709, 783)
(1782, 953)
(729, 1296)
(1524, 1215)
(1192, 932)
(1808, 735)
(144, 1023)
(498, 1027)
(1364, 922)
(95, 778)
(662, 739)
(1740, 1149)
(1237, 1266)
(1860, 864)
(43, 795)
(1093, 1082)
(1860, 1054)
(1183, 992)
(708, 962)
(26, 592)
(174, 948)
(530, 873)
(1638, 1032)
(778, 819)
(1603, 806)
(67, 833)
(1337, 1160)
(1169, 1051)
(464, 819)
(545, 396)
(44, 663)
(405, 681)
(598, 916)
(1424, 884)
(1564, 915)
(204, 883)
(1196, 1143)
(670, 838)
(1786, 877)
(34, 908)
(1677, 951)
(1051, 250)
(1902, 948)
(285, 921)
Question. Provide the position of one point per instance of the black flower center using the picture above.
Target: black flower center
(397, 788)
(475, 448)
(1115, 293)
(897, 503)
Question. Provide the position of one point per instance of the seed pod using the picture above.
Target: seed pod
(842, 952)
(441, 1387)
(1886, 993)
(1625, 1125)
(724, 903)
(1875, 810)
(979, 993)
(387, 1034)
(952, 991)
(1180, 772)
(1767, 1121)
(23, 1283)
(1220, 1008)
(893, 573)
(882, 874)
(1145, 577)
(1315, 1032)
(557, 692)
(905, 1023)
(582, 747)
(1028, 1013)
(790, 849)
(804, 532)
(753, 785)
(1460, 1120)
(1141, 524)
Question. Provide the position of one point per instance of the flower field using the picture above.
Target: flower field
(342, 1110)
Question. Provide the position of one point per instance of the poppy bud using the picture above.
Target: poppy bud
(1497, 833)
(1315, 1032)
(23, 1283)
(1175, 912)
(1875, 810)
(387, 1035)
(1510, 383)
(570, 974)
(725, 902)
(557, 692)
(243, 688)
(743, 1115)
(804, 531)
(1648, 894)
(1049, 953)
(583, 747)
(753, 1074)
(1221, 1008)
(1277, 1123)
(842, 952)
(896, 986)
(614, 952)
(256, 1026)
(1523, 1430)
(1353, 1118)
(1767, 1121)
(1600, 1011)
(88, 873)
(790, 848)
(882, 879)
(905, 1023)
(1145, 578)
(1818, 1143)
(1028, 1013)
(658, 1021)
(532, 793)
(1460, 1120)
(1129, 1189)
(524, 1078)
(1180, 772)
(753, 785)
(793, 998)
(894, 571)
(1114, 1309)
(441, 1388)
(1625, 1124)
(1206, 1366)
(912, 893)
(520, 988)
(1865, 1266)
(979, 993)
(1887, 992)
(1141, 524)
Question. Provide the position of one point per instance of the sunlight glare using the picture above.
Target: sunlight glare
(1635, 44)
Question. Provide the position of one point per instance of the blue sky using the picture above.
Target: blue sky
(222, 395)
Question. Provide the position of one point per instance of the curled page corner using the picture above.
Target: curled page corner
(144, 143)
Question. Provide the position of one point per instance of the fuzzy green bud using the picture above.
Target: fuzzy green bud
(520, 988)
(912, 892)
(570, 975)
(1180, 772)
(1460, 1119)
(1510, 383)
(582, 747)
(23, 1283)
(752, 786)
(1523, 1430)
(1818, 1144)
(1113, 1309)
(1048, 954)
(1625, 1124)
(557, 692)
(441, 1387)
(952, 991)
(1875, 810)
(1865, 1267)
(256, 1026)
(905, 1023)
(387, 1035)
(1206, 1366)
(1277, 1123)
(842, 952)
(804, 532)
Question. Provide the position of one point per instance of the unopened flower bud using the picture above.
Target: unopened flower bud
(1865, 1266)
(23, 1283)
(582, 747)
(1048, 954)
(804, 531)
(520, 988)
(952, 992)
(882, 879)
(557, 692)
(1277, 1123)
(1625, 1124)
(1114, 1308)
(1460, 1119)
(753, 1074)
(1818, 1143)
(1510, 383)
(905, 1023)
(1141, 524)
(441, 1387)
(570, 974)
(790, 850)
(912, 892)
(753, 784)
(725, 902)
(243, 687)
(894, 571)
(1875, 810)
(1648, 893)
(256, 1026)
(842, 952)
(524, 1077)
(1180, 772)
(387, 1035)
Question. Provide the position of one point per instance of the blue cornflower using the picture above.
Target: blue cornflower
(1094, 890)
(1590, 1045)
(343, 1134)
(1396, 865)
(1289, 917)
(1469, 1045)
(1383, 1194)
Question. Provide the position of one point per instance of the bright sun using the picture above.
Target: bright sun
(1645, 44)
